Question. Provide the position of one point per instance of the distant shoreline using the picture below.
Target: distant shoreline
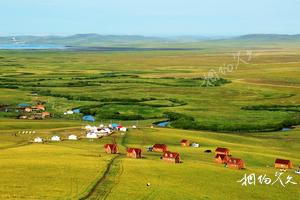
(81, 48)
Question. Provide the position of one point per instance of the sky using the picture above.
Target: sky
(149, 17)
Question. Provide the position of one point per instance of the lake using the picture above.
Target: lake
(31, 46)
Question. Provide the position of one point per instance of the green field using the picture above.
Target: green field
(244, 110)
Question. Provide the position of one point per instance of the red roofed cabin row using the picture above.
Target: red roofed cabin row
(111, 148)
(283, 164)
(222, 151)
(236, 163)
(160, 148)
(171, 157)
(134, 153)
(221, 159)
(222, 156)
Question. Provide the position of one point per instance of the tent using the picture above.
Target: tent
(88, 118)
(91, 135)
(38, 140)
(114, 125)
(72, 137)
(55, 138)
(123, 129)
(76, 110)
(69, 112)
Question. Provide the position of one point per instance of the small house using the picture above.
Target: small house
(28, 109)
(38, 140)
(24, 105)
(236, 163)
(111, 148)
(222, 151)
(45, 114)
(171, 157)
(40, 107)
(283, 164)
(159, 148)
(221, 158)
(72, 137)
(196, 145)
(55, 138)
(134, 153)
(184, 143)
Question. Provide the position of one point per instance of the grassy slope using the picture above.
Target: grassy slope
(198, 177)
(68, 170)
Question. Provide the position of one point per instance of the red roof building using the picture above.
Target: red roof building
(236, 163)
(39, 107)
(119, 127)
(221, 159)
(222, 151)
(134, 153)
(160, 148)
(111, 148)
(45, 114)
(184, 143)
(171, 157)
(283, 164)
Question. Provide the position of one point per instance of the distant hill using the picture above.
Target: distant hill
(268, 37)
(81, 39)
(96, 40)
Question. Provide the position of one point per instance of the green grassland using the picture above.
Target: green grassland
(71, 169)
(244, 111)
(147, 81)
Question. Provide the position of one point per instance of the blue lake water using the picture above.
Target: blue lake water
(163, 124)
(31, 46)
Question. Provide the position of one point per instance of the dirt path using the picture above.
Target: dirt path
(266, 84)
(110, 178)
(100, 189)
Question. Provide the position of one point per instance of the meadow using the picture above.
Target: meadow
(249, 98)
(71, 169)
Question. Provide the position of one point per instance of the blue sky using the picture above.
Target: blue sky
(151, 17)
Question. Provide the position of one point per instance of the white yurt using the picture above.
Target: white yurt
(55, 138)
(91, 135)
(123, 129)
(72, 137)
(70, 112)
(87, 127)
(38, 140)
(107, 130)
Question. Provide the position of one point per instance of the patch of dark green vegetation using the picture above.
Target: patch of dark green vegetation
(182, 121)
(111, 78)
(285, 108)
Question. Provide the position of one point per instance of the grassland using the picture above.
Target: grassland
(138, 88)
(70, 169)
(113, 80)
